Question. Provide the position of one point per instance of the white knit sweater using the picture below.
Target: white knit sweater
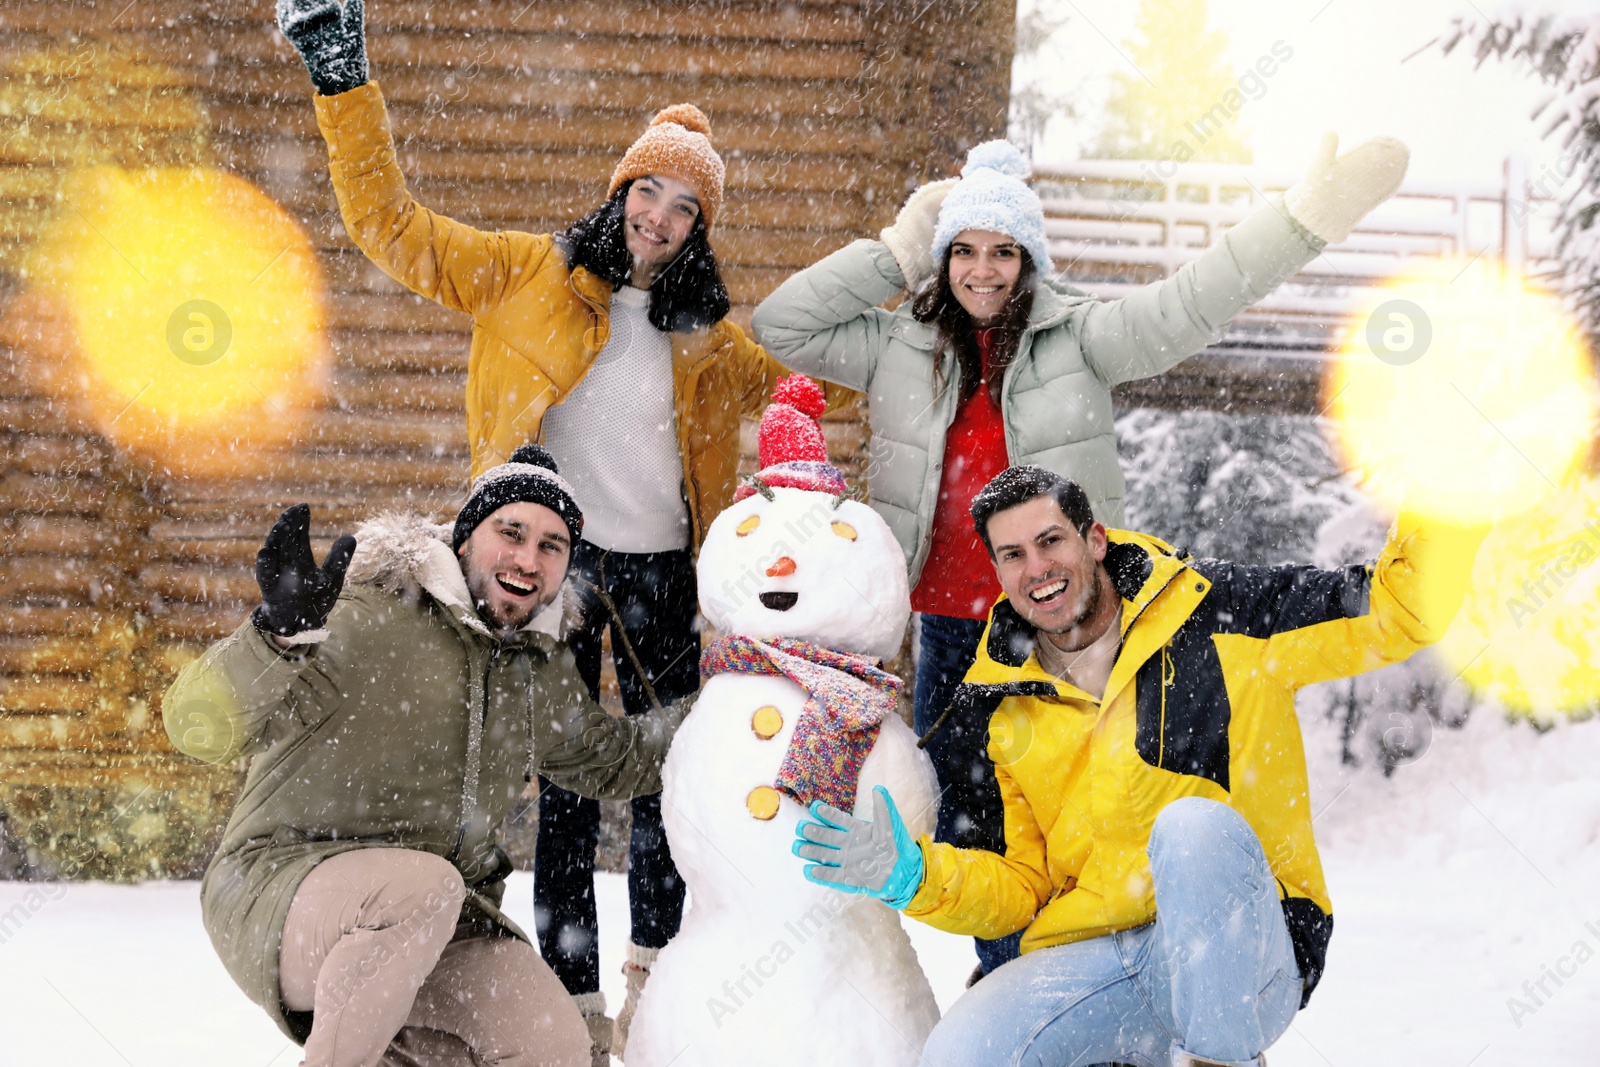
(616, 437)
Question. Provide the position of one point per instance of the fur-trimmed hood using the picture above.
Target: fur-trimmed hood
(405, 554)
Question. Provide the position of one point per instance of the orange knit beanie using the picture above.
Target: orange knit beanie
(677, 145)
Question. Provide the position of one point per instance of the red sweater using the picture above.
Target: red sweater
(958, 578)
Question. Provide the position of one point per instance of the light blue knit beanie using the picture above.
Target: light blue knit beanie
(992, 196)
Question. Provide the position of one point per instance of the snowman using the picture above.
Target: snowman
(808, 587)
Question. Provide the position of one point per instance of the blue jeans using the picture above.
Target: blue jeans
(970, 814)
(1214, 975)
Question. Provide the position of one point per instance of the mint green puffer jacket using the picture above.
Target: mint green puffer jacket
(1056, 395)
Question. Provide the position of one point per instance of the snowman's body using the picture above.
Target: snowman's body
(768, 964)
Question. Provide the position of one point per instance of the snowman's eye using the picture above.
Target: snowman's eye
(845, 530)
(747, 525)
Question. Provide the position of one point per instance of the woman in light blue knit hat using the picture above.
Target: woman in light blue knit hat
(995, 362)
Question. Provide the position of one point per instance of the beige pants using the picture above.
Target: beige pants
(372, 947)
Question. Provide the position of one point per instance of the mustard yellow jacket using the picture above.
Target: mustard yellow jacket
(536, 325)
(1200, 702)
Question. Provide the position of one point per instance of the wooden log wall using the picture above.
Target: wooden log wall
(509, 116)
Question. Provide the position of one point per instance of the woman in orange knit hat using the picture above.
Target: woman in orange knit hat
(609, 343)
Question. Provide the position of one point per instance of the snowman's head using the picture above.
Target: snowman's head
(794, 556)
(805, 565)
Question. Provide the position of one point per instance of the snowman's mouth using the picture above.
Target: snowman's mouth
(779, 601)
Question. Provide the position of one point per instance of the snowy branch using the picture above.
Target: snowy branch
(1563, 51)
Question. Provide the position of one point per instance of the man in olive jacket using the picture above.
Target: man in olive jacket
(392, 723)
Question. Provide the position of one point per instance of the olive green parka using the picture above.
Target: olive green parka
(405, 723)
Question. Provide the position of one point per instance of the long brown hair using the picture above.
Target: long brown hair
(955, 328)
(689, 292)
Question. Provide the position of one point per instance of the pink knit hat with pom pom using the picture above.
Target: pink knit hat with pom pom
(677, 145)
(791, 449)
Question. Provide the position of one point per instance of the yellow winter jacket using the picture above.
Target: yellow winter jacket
(1200, 702)
(536, 326)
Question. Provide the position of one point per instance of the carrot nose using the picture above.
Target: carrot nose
(783, 566)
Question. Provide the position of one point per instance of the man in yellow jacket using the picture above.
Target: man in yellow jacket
(1157, 851)
(609, 343)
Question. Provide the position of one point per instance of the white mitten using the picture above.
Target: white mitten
(910, 239)
(1337, 193)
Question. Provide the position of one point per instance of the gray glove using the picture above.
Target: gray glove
(331, 40)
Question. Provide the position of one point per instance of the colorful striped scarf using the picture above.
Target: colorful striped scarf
(847, 698)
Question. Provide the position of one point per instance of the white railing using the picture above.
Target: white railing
(1113, 226)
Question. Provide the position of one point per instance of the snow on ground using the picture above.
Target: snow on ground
(1465, 876)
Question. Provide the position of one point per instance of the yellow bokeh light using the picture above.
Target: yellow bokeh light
(191, 310)
(1463, 392)
(1528, 634)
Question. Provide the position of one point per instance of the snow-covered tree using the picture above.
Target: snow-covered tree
(1564, 52)
(1034, 100)
(1169, 105)
(1252, 489)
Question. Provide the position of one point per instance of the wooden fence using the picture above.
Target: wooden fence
(1113, 226)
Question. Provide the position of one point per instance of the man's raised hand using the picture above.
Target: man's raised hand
(296, 594)
(332, 41)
